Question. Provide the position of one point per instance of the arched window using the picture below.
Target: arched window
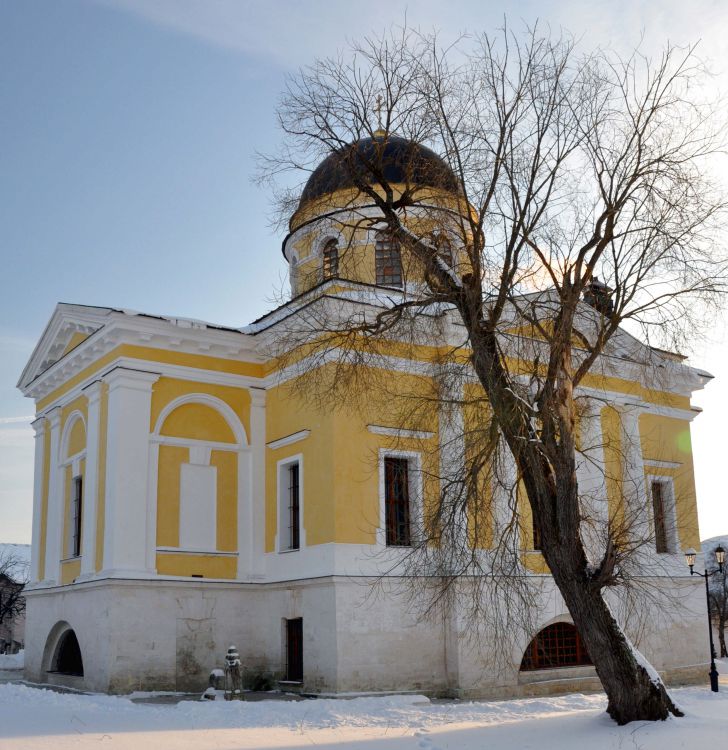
(558, 645)
(331, 259)
(388, 260)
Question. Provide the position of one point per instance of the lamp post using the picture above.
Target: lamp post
(719, 558)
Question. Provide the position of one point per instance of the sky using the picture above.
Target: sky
(128, 134)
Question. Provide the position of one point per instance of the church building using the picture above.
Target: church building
(187, 497)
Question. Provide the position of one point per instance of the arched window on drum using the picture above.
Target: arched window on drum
(330, 260)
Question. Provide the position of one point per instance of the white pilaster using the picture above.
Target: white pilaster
(251, 493)
(54, 514)
(91, 481)
(39, 427)
(633, 481)
(505, 533)
(126, 533)
(452, 464)
(590, 471)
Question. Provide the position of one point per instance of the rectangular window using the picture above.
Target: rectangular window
(397, 502)
(294, 507)
(659, 514)
(76, 509)
(294, 650)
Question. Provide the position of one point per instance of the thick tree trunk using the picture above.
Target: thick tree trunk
(547, 467)
(721, 638)
(633, 694)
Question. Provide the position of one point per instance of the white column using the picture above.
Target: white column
(251, 493)
(91, 481)
(39, 427)
(54, 513)
(590, 471)
(127, 464)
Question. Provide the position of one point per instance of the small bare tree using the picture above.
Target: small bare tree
(561, 167)
(13, 576)
(718, 596)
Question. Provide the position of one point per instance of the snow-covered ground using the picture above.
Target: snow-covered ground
(33, 718)
(12, 661)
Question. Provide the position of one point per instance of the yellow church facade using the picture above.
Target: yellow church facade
(187, 497)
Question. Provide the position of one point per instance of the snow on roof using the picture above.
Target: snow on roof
(19, 554)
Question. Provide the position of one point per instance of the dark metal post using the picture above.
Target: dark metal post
(713, 671)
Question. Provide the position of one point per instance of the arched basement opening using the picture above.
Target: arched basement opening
(558, 645)
(67, 659)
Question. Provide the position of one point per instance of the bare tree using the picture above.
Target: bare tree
(13, 576)
(563, 168)
(718, 596)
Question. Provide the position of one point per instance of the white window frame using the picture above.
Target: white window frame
(414, 485)
(282, 467)
(670, 509)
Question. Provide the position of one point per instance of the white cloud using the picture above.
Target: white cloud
(292, 33)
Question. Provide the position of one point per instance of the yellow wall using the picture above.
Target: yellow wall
(198, 422)
(195, 420)
(340, 458)
(171, 458)
(70, 570)
(152, 354)
(613, 461)
(208, 566)
(226, 463)
(668, 439)
(68, 476)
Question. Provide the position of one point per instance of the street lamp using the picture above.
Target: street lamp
(719, 558)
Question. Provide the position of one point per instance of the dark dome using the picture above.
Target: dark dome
(401, 161)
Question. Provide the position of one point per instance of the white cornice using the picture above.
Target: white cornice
(289, 439)
(399, 432)
(122, 328)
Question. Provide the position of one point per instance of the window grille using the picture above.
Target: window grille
(558, 645)
(397, 502)
(658, 513)
(388, 259)
(76, 503)
(293, 507)
(331, 260)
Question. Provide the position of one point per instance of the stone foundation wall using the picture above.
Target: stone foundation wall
(169, 635)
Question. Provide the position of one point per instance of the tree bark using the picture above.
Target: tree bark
(633, 695)
(721, 638)
(547, 466)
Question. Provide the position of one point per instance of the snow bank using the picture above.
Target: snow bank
(402, 711)
(12, 661)
(45, 720)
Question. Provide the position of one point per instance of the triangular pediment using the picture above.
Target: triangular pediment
(69, 326)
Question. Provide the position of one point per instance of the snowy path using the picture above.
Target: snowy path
(31, 718)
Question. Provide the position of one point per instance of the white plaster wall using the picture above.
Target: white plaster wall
(382, 643)
(168, 635)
